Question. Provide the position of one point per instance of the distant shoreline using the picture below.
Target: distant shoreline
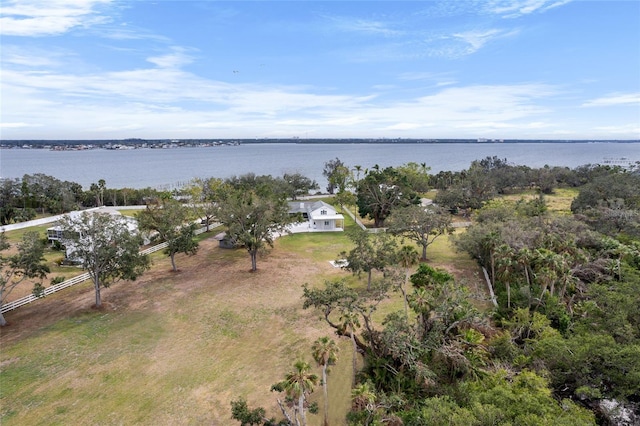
(182, 143)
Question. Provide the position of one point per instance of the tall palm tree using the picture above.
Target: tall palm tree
(505, 263)
(547, 264)
(358, 169)
(407, 257)
(350, 322)
(325, 352)
(298, 384)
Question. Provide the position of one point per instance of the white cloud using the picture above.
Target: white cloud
(32, 58)
(614, 100)
(417, 75)
(633, 129)
(38, 18)
(149, 103)
(365, 26)
(475, 40)
(14, 125)
(517, 8)
(404, 126)
(163, 99)
(175, 59)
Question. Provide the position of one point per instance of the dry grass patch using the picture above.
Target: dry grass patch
(170, 348)
(176, 348)
(558, 202)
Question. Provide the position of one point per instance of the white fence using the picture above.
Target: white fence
(72, 281)
(47, 291)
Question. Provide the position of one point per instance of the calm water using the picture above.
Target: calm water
(163, 168)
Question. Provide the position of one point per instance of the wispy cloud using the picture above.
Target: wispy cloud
(436, 79)
(499, 8)
(614, 100)
(405, 126)
(33, 18)
(475, 40)
(14, 125)
(417, 75)
(32, 57)
(174, 59)
(517, 8)
(165, 99)
(628, 129)
(365, 26)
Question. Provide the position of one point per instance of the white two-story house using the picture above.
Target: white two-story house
(319, 216)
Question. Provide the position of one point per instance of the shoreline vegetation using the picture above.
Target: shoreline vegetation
(137, 143)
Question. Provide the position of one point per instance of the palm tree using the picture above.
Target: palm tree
(298, 384)
(358, 169)
(505, 255)
(407, 257)
(490, 243)
(350, 321)
(363, 398)
(420, 301)
(325, 353)
(547, 263)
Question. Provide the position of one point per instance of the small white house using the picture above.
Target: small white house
(319, 216)
(54, 233)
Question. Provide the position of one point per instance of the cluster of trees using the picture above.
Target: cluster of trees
(22, 199)
(380, 190)
(436, 365)
(253, 209)
(484, 179)
(565, 331)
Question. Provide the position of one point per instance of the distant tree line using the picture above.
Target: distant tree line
(23, 199)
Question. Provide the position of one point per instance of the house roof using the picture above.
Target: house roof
(319, 204)
(297, 207)
(132, 223)
(310, 207)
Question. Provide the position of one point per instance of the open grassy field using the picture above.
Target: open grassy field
(559, 202)
(176, 348)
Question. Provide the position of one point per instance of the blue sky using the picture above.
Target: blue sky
(527, 69)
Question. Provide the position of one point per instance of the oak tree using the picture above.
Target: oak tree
(381, 191)
(371, 252)
(107, 246)
(172, 222)
(420, 224)
(253, 218)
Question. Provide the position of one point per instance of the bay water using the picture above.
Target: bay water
(170, 168)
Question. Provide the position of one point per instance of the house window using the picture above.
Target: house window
(326, 223)
(323, 212)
